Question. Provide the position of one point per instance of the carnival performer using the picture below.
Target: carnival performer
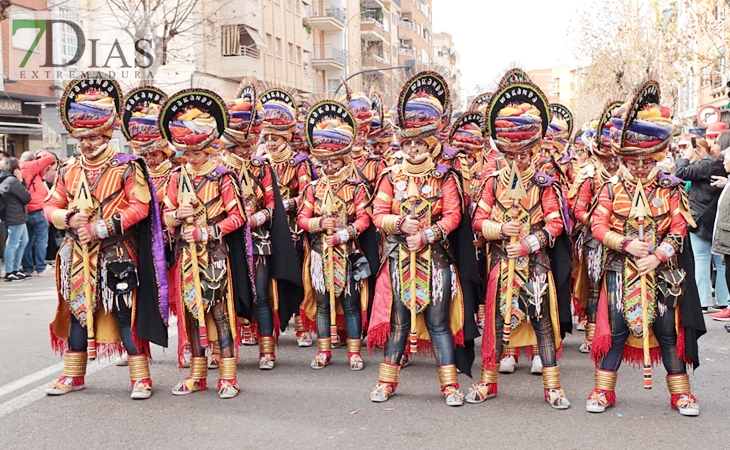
(648, 309)
(380, 135)
(334, 214)
(211, 278)
(294, 171)
(366, 166)
(272, 245)
(589, 252)
(417, 205)
(140, 109)
(520, 214)
(111, 270)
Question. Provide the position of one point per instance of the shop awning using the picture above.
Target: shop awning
(21, 128)
(255, 36)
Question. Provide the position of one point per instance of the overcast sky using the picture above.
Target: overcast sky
(490, 34)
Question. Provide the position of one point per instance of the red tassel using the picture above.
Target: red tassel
(610, 395)
(443, 388)
(58, 345)
(75, 381)
(377, 336)
(492, 389)
(148, 380)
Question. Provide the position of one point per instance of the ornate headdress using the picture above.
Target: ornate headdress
(518, 117)
(421, 106)
(91, 105)
(646, 127)
(280, 111)
(245, 113)
(381, 128)
(140, 120)
(602, 141)
(561, 126)
(360, 106)
(481, 102)
(468, 131)
(192, 119)
(330, 129)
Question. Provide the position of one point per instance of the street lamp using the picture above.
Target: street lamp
(347, 32)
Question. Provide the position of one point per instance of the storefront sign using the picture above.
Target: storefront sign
(11, 107)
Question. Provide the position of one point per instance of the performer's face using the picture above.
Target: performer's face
(471, 158)
(610, 163)
(523, 159)
(380, 148)
(196, 158)
(273, 142)
(244, 151)
(332, 166)
(414, 149)
(90, 144)
(154, 158)
(581, 155)
(640, 168)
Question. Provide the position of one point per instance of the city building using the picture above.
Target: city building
(414, 32)
(558, 83)
(379, 44)
(446, 56)
(23, 92)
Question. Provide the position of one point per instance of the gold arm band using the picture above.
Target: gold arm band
(384, 197)
(605, 380)
(199, 367)
(267, 344)
(388, 373)
(354, 345)
(551, 377)
(216, 348)
(313, 225)
(678, 384)
(227, 368)
(171, 221)
(324, 344)
(603, 210)
(390, 224)
(74, 364)
(590, 331)
(482, 204)
(552, 216)
(59, 218)
(489, 376)
(448, 375)
(613, 240)
(139, 367)
(492, 230)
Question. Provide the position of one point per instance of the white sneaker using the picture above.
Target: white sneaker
(47, 272)
(536, 365)
(581, 326)
(123, 360)
(507, 365)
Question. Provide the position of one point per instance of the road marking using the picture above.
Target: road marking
(38, 393)
(29, 299)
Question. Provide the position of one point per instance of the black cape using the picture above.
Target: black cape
(690, 309)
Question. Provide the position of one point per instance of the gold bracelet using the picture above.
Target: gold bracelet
(492, 230)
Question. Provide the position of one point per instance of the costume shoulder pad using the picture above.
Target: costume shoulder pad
(668, 180)
(543, 180)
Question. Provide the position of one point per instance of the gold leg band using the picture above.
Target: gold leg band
(448, 375)
(139, 367)
(509, 351)
(216, 349)
(535, 351)
(678, 384)
(551, 377)
(199, 367)
(298, 325)
(490, 376)
(590, 331)
(74, 364)
(481, 311)
(324, 344)
(388, 373)
(267, 344)
(606, 380)
(227, 368)
(354, 345)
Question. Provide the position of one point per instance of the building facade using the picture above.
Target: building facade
(446, 56)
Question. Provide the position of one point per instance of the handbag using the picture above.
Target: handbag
(212, 283)
(670, 283)
(121, 276)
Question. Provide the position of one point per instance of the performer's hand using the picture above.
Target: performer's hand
(409, 226)
(78, 220)
(638, 249)
(414, 242)
(646, 265)
(184, 211)
(511, 229)
(195, 234)
(514, 250)
(84, 235)
(330, 240)
(328, 224)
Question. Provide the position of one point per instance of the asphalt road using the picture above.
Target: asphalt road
(294, 406)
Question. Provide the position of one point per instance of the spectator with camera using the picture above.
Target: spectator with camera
(34, 167)
(14, 197)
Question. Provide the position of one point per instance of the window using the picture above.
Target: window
(290, 53)
(288, 5)
(240, 40)
(69, 40)
(299, 55)
(278, 47)
(270, 43)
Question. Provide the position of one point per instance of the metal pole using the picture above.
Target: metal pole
(347, 32)
(368, 71)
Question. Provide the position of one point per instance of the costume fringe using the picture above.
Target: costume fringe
(674, 398)
(377, 336)
(317, 271)
(489, 352)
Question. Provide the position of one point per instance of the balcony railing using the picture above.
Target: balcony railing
(308, 72)
(405, 24)
(327, 9)
(405, 51)
(250, 52)
(328, 51)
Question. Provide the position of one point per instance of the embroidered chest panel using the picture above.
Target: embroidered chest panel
(429, 205)
(528, 211)
(659, 220)
(107, 187)
(345, 208)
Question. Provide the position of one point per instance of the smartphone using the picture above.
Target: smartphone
(694, 142)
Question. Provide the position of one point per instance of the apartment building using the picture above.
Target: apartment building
(558, 83)
(414, 32)
(446, 56)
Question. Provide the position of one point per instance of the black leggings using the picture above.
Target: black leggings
(77, 338)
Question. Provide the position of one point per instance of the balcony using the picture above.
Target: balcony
(328, 57)
(372, 30)
(406, 50)
(327, 17)
(406, 24)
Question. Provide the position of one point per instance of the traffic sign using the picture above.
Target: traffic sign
(707, 115)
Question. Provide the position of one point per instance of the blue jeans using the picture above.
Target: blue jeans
(77, 338)
(264, 313)
(34, 257)
(17, 240)
(703, 259)
(437, 322)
